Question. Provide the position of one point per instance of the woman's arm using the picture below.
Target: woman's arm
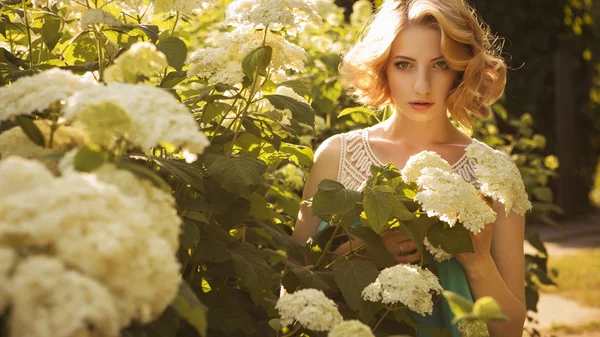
(497, 269)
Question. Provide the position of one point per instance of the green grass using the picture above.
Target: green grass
(578, 277)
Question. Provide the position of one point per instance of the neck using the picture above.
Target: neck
(436, 131)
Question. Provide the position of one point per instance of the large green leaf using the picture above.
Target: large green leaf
(377, 209)
(333, 198)
(374, 245)
(190, 235)
(210, 247)
(239, 175)
(213, 109)
(300, 155)
(303, 278)
(453, 240)
(534, 240)
(399, 209)
(257, 61)
(185, 173)
(459, 305)
(189, 308)
(51, 33)
(31, 130)
(256, 275)
(301, 111)
(175, 50)
(292, 248)
(226, 313)
(352, 276)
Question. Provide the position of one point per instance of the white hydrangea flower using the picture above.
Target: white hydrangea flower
(68, 216)
(499, 178)
(354, 328)
(330, 12)
(97, 16)
(143, 114)
(473, 328)
(407, 284)
(184, 6)
(361, 11)
(36, 93)
(141, 59)
(320, 125)
(8, 258)
(448, 196)
(311, 308)
(421, 160)
(50, 300)
(293, 176)
(275, 14)
(223, 64)
(14, 142)
(43, 3)
(438, 253)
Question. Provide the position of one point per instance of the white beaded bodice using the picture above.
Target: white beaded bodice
(357, 156)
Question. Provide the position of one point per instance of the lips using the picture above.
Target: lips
(421, 106)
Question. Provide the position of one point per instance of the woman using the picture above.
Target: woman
(424, 58)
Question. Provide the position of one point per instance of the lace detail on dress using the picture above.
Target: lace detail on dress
(357, 156)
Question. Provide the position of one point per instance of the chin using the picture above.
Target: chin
(419, 116)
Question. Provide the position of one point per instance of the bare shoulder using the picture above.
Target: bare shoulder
(325, 165)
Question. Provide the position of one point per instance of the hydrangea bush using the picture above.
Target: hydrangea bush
(152, 156)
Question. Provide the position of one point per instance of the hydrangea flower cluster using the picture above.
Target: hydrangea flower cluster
(143, 114)
(311, 308)
(354, 328)
(129, 65)
(223, 64)
(183, 6)
(274, 14)
(499, 178)
(438, 253)
(82, 268)
(38, 92)
(421, 160)
(97, 16)
(449, 197)
(410, 285)
(473, 328)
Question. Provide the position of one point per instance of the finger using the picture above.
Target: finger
(408, 258)
(408, 246)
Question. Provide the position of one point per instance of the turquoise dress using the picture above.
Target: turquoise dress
(452, 277)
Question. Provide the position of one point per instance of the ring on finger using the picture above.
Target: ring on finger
(400, 249)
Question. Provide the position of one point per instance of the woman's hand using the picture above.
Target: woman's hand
(402, 248)
(482, 243)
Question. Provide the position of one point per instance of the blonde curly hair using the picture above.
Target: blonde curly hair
(466, 43)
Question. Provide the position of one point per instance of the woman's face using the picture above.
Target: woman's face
(418, 75)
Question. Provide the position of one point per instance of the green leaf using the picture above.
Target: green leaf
(51, 32)
(359, 109)
(143, 172)
(374, 245)
(377, 209)
(256, 275)
(239, 175)
(301, 111)
(304, 278)
(285, 241)
(543, 193)
(175, 50)
(190, 235)
(459, 305)
(402, 315)
(399, 209)
(189, 308)
(437, 332)
(454, 240)
(534, 240)
(300, 155)
(214, 109)
(257, 61)
(352, 276)
(183, 172)
(31, 130)
(87, 159)
(172, 79)
(333, 198)
(211, 247)
(532, 297)
(226, 312)
(150, 30)
(415, 230)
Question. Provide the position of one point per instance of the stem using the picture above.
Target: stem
(327, 246)
(100, 54)
(175, 24)
(348, 254)
(28, 34)
(387, 311)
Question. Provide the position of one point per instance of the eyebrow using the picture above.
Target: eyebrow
(412, 59)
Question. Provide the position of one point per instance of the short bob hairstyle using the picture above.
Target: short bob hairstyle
(466, 44)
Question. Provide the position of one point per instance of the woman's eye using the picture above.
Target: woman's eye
(441, 64)
(402, 65)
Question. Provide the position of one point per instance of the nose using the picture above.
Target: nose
(422, 83)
